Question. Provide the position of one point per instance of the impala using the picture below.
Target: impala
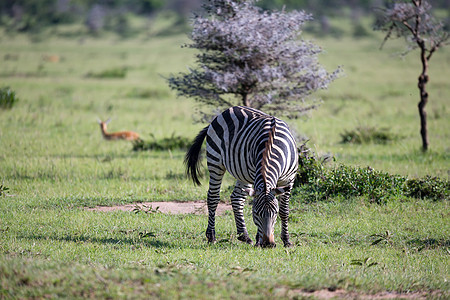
(120, 135)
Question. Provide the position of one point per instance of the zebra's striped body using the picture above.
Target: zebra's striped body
(260, 152)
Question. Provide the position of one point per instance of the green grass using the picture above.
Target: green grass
(109, 255)
(54, 163)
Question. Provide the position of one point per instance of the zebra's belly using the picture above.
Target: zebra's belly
(241, 170)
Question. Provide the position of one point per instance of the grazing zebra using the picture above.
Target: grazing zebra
(260, 152)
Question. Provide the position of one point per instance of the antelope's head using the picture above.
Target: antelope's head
(103, 125)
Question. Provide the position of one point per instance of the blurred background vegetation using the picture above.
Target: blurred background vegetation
(99, 16)
(74, 61)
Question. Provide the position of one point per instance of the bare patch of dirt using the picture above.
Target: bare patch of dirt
(174, 208)
(343, 294)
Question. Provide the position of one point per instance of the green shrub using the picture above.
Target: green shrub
(109, 73)
(309, 165)
(8, 98)
(428, 187)
(170, 143)
(366, 135)
(345, 181)
(147, 93)
(360, 31)
(315, 182)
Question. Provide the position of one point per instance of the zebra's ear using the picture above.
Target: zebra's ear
(281, 190)
(249, 191)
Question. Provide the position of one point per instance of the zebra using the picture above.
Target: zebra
(259, 151)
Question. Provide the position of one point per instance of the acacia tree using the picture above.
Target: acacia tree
(253, 58)
(413, 20)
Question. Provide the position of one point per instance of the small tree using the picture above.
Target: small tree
(252, 58)
(414, 22)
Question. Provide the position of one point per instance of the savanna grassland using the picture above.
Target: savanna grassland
(55, 163)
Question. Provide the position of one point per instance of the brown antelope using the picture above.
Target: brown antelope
(51, 58)
(120, 135)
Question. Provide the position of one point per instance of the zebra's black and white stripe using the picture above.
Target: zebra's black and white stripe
(260, 152)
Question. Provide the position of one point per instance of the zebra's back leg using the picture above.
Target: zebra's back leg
(237, 202)
(216, 173)
(284, 216)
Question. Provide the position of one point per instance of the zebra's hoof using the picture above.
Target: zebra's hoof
(245, 238)
(288, 244)
(211, 236)
(211, 240)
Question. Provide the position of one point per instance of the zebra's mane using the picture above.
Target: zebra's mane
(267, 152)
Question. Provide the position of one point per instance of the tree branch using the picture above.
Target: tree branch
(409, 27)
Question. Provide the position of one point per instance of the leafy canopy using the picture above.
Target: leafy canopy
(413, 20)
(254, 58)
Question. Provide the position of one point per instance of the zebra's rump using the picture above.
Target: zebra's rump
(249, 143)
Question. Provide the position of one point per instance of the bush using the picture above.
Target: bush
(345, 181)
(309, 165)
(147, 93)
(366, 135)
(7, 98)
(110, 73)
(429, 187)
(315, 182)
(359, 31)
(170, 143)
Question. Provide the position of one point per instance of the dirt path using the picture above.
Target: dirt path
(174, 208)
(343, 294)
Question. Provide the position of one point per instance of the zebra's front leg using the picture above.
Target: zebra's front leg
(237, 202)
(215, 180)
(284, 216)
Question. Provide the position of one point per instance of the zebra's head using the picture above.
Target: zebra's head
(265, 211)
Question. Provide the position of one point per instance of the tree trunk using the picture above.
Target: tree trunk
(423, 79)
(423, 114)
(245, 101)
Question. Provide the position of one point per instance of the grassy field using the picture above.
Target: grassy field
(55, 163)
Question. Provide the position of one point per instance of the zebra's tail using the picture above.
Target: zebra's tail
(192, 158)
